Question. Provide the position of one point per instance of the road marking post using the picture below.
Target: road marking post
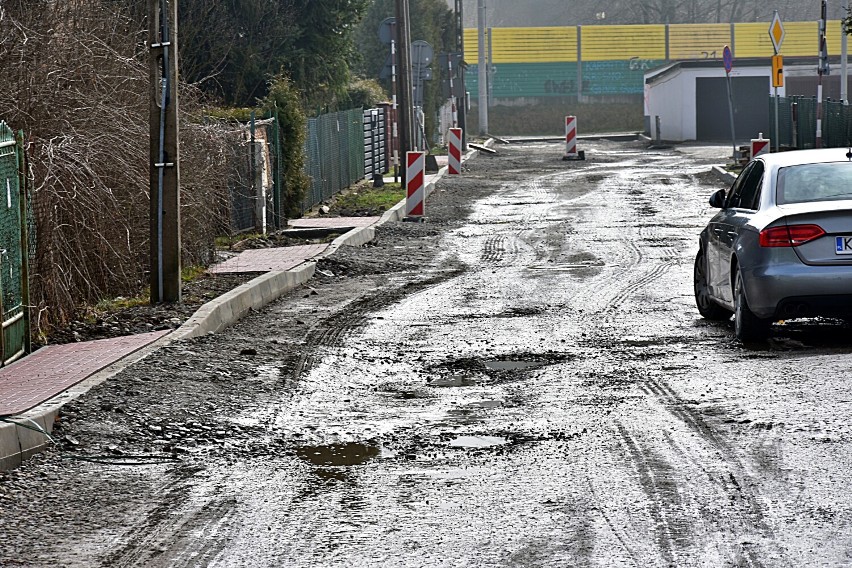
(455, 151)
(759, 145)
(571, 152)
(415, 178)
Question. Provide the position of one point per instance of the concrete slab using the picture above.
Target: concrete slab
(268, 260)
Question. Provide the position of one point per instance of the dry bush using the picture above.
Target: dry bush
(75, 79)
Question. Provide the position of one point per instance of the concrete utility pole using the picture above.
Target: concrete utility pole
(165, 146)
(462, 102)
(822, 69)
(405, 110)
(483, 70)
(844, 65)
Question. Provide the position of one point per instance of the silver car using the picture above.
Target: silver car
(781, 246)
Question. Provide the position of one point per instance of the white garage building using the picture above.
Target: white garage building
(691, 97)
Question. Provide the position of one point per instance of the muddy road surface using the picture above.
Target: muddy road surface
(522, 380)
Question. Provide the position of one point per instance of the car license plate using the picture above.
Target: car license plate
(843, 245)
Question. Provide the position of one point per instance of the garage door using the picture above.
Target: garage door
(751, 108)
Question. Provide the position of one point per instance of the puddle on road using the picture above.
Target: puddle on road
(346, 454)
(582, 263)
(477, 442)
(485, 404)
(475, 371)
(454, 381)
(498, 365)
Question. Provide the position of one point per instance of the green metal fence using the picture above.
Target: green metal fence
(797, 123)
(14, 252)
(334, 149)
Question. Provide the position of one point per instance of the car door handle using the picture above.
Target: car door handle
(732, 234)
(717, 230)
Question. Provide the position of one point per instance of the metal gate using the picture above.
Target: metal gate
(711, 107)
(374, 143)
(14, 317)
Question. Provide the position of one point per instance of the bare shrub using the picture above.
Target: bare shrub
(75, 79)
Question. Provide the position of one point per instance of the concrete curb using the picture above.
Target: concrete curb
(723, 174)
(223, 311)
(18, 439)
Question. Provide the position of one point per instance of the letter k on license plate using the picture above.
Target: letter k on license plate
(843, 245)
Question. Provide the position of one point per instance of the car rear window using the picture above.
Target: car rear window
(814, 182)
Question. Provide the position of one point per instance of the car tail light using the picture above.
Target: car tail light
(790, 235)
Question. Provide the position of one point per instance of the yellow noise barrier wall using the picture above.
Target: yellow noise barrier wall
(618, 43)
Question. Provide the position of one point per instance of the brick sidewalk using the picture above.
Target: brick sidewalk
(53, 369)
(268, 259)
(332, 222)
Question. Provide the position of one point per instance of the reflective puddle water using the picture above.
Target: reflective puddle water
(496, 365)
(476, 442)
(351, 453)
(456, 381)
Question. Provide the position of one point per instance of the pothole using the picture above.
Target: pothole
(498, 365)
(345, 454)
(475, 371)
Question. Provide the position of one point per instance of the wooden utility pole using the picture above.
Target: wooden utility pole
(165, 147)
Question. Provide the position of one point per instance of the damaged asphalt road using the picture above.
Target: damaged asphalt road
(522, 380)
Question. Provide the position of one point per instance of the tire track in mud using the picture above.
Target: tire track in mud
(613, 289)
(499, 249)
(661, 491)
(738, 480)
(330, 332)
(609, 523)
(193, 533)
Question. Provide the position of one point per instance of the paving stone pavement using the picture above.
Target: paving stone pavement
(40, 376)
(52, 369)
(268, 259)
(332, 222)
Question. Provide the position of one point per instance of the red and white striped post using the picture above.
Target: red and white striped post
(415, 183)
(571, 137)
(455, 151)
(759, 145)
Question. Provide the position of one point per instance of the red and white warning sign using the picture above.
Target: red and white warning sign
(455, 151)
(571, 136)
(415, 183)
(759, 145)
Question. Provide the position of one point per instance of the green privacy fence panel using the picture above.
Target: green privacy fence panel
(560, 79)
(801, 133)
(334, 149)
(510, 80)
(14, 322)
(606, 78)
(837, 124)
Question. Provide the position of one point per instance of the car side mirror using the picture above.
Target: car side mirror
(717, 200)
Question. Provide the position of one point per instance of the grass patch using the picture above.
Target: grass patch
(190, 273)
(364, 198)
(226, 242)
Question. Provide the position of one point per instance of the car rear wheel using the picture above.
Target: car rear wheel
(747, 326)
(706, 306)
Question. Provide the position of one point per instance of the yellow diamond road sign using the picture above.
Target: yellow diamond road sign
(776, 32)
